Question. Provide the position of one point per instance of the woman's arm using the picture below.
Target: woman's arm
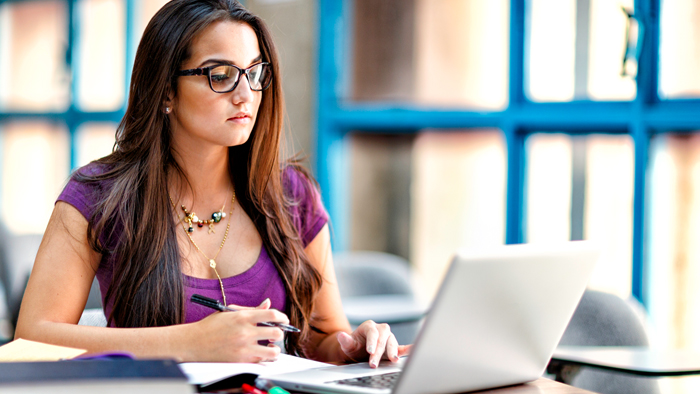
(370, 341)
(57, 291)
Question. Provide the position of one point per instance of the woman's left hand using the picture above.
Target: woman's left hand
(372, 341)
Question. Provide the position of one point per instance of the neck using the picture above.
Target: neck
(208, 176)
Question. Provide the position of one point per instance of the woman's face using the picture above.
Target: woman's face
(201, 117)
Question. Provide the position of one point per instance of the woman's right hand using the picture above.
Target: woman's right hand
(236, 336)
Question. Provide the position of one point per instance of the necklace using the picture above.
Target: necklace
(191, 217)
(212, 261)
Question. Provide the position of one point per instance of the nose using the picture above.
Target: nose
(242, 93)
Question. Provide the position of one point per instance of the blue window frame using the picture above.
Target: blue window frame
(73, 117)
(640, 118)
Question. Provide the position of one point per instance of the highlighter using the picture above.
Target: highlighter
(264, 384)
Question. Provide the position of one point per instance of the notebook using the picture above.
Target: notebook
(497, 318)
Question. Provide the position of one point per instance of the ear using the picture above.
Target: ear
(168, 102)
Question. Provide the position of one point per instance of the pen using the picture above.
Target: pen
(214, 304)
(266, 385)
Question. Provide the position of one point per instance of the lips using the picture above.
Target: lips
(240, 116)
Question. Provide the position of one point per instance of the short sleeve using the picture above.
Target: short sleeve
(83, 196)
(307, 211)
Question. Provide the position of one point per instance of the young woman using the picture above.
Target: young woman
(194, 200)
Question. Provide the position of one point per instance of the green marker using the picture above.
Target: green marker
(264, 384)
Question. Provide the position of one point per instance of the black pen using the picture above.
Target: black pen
(214, 304)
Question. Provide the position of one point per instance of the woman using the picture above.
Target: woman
(201, 134)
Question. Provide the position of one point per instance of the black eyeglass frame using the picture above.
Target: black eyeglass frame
(241, 71)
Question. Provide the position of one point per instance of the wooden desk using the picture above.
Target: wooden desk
(539, 386)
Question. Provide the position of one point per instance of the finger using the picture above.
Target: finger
(272, 334)
(269, 315)
(384, 333)
(267, 353)
(392, 348)
(265, 304)
(371, 336)
(404, 350)
(348, 344)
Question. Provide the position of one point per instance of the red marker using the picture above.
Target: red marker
(251, 390)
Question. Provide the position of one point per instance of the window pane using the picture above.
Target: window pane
(679, 52)
(101, 75)
(148, 9)
(458, 198)
(607, 191)
(575, 50)
(674, 228)
(447, 53)
(548, 188)
(33, 37)
(608, 210)
(35, 166)
(95, 140)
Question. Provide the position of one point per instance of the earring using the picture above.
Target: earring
(167, 110)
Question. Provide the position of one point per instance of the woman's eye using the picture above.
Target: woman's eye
(219, 77)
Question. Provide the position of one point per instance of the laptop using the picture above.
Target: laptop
(496, 320)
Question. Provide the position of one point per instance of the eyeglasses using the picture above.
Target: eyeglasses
(224, 78)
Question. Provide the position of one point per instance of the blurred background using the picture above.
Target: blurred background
(431, 125)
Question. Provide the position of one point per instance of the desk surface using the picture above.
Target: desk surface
(635, 360)
(539, 386)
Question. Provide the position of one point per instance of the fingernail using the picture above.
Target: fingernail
(267, 300)
(370, 349)
(373, 364)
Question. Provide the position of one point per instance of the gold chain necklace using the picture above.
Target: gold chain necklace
(212, 261)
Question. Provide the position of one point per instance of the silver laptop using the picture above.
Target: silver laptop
(496, 321)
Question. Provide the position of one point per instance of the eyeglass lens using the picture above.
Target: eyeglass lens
(224, 77)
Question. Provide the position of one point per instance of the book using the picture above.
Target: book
(223, 376)
(25, 350)
(94, 376)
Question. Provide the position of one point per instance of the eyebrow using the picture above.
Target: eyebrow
(224, 61)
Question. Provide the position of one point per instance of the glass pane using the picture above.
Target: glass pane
(548, 188)
(605, 173)
(679, 52)
(148, 9)
(673, 231)
(33, 73)
(608, 210)
(95, 140)
(457, 197)
(447, 53)
(101, 67)
(574, 50)
(35, 167)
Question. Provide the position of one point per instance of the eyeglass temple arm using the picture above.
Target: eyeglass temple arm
(194, 71)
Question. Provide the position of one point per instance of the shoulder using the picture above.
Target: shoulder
(303, 202)
(84, 189)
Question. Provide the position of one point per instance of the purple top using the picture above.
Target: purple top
(249, 288)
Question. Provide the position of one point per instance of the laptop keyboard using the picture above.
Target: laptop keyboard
(383, 381)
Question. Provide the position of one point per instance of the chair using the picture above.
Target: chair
(603, 319)
(377, 286)
(17, 255)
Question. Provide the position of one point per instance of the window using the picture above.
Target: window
(64, 70)
(576, 119)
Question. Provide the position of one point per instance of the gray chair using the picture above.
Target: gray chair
(377, 286)
(603, 319)
(17, 255)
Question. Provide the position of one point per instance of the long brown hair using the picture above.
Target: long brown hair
(147, 286)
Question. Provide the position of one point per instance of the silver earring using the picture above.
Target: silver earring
(167, 110)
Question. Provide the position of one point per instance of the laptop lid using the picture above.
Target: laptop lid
(496, 321)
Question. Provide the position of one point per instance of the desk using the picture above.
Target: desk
(629, 359)
(539, 386)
